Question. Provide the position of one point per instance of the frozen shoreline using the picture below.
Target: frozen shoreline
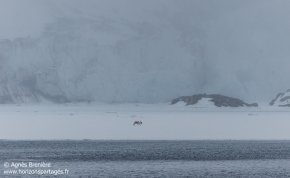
(160, 122)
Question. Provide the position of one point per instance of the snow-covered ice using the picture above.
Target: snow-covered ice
(160, 121)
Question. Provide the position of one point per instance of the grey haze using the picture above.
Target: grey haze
(143, 50)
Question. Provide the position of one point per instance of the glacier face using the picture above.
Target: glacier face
(142, 51)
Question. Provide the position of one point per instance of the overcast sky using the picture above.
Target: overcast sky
(145, 51)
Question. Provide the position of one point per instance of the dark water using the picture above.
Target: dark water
(150, 158)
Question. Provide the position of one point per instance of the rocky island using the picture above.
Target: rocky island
(217, 99)
(281, 99)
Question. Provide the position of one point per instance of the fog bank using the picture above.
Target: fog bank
(142, 51)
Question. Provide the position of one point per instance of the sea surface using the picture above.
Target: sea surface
(90, 159)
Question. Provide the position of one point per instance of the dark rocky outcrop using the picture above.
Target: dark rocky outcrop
(218, 100)
(281, 99)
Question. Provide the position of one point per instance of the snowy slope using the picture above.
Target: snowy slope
(107, 51)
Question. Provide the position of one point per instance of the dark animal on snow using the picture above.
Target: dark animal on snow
(137, 123)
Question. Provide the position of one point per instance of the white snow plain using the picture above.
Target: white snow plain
(160, 122)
